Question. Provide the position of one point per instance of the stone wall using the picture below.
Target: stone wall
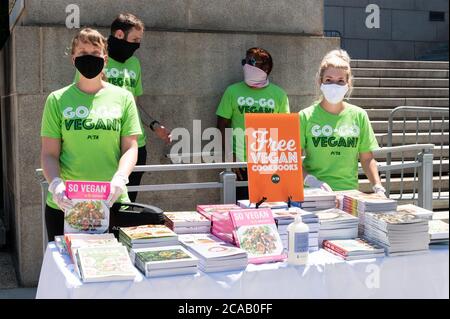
(405, 31)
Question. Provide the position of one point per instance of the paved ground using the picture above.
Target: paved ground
(18, 293)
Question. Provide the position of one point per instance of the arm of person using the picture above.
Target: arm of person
(128, 159)
(222, 125)
(160, 130)
(50, 152)
(369, 165)
(129, 150)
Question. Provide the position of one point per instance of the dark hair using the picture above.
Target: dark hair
(126, 22)
(261, 55)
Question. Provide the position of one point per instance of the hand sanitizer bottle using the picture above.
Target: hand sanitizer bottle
(298, 242)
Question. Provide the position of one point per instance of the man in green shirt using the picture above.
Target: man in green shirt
(253, 95)
(124, 70)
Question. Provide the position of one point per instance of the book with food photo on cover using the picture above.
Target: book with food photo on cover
(104, 263)
(163, 261)
(146, 233)
(90, 213)
(256, 233)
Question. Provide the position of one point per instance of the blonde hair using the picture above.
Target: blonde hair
(338, 59)
(92, 36)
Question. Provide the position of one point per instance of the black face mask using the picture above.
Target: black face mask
(89, 65)
(121, 50)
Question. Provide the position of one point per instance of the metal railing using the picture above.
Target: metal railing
(228, 183)
(429, 125)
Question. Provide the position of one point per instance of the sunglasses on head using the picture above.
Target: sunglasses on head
(251, 61)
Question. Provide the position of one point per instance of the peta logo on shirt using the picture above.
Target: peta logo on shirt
(252, 105)
(116, 73)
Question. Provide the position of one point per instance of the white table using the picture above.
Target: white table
(325, 276)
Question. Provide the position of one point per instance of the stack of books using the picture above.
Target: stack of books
(221, 225)
(438, 231)
(415, 210)
(337, 224)
(187, 222)
(104, 263)
(97, 257)
(71, 242)
(145, 236)
(352, 249)
(316, 199)
(284, 217)
(164, 261)
(399, 233)
(209, 210)
(358, 203)
(215, 255)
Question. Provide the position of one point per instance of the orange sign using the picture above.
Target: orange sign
(274, 161)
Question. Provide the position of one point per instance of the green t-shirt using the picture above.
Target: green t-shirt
(126, 75)
(239, 99)
(332, 144)
(90, 127)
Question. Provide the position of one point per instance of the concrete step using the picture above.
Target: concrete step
(400, 73)
(389, 64)
(409, 184)
(413, 138)
(439, 202)
(410, 171)
(411, 155)
(393, 102)
(400, 92)
(383, 114)
(411, 126)
(401, 82)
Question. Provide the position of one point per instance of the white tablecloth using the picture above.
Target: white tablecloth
(326, 276)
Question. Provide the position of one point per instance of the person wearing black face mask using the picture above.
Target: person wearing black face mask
(89, 65)
(123, 69)
(120, 49)
(77, 141)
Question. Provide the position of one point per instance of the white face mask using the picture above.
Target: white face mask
(334, 93)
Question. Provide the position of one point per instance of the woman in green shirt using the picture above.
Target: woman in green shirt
(336, 134)
(89, 132)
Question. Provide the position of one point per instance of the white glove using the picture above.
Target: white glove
(118, 186)
(58, 190)
(379, 190)
(313, 182)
